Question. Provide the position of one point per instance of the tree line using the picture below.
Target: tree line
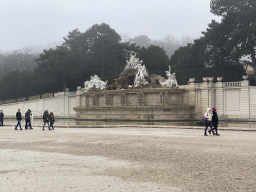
(100, 50)
(229, 42)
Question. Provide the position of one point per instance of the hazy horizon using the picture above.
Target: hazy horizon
(47, 21)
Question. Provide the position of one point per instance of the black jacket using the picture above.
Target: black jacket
(18, 116)
(27, 115)
(215, 119)
(46, 116)
(1, 116)
(52, 120)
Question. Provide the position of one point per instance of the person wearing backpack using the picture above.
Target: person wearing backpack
(208, 121)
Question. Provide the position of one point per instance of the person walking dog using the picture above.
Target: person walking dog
(18, 116)
(215, 120)
(208, 121)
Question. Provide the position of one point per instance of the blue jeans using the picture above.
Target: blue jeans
(18, 124)
(48, 125)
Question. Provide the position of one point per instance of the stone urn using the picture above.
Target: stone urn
(191, 80)
(245, 77)
(205, 79)
(219, 79)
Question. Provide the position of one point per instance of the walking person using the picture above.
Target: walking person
(1, 118)
(28, 115)
(18, 116)
(46, 118)
(52, 120)
(215, 121)
(208, 116)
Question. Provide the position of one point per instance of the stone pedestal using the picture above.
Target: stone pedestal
(135, 104)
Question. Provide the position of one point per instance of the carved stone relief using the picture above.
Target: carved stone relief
(91, 101)
(153, 99)
(116, 100)
(102, 100)
(173, 98)
(132, 99)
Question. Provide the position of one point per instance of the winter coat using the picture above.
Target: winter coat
(46, 116)
(52, 120)
(215, 119)
(18, 116)
(208, 115)
(27, 115)
(1, 116)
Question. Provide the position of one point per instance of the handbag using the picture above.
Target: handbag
(205, 119)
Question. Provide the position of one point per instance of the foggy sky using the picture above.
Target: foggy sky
(40, 22)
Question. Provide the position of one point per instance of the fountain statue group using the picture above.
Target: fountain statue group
(141, 73)
(139, 79)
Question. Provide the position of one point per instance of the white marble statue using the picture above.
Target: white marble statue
(140, 76)
(171, 79)
(134, 63)
(95, 82)
(136, 80)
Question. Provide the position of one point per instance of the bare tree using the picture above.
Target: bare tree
(125, 37)
(185, 39)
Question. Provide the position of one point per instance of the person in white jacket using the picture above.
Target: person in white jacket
(208, 116)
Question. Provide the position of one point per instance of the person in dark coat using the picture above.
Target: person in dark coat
(52, 120)
(208, 116)
(1, 118)
(46, 118)
(215, 121)
(18, 116)
(28, 119)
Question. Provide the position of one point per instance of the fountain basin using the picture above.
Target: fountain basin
(146, 104)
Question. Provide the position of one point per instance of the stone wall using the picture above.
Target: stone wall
(61, 105)
(233, 100)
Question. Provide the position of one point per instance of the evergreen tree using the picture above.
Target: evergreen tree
(154, 58)
(56, 66)
(238, 22)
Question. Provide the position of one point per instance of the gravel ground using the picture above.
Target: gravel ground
(126, 159)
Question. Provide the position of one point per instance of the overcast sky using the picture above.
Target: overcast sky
(40, 22)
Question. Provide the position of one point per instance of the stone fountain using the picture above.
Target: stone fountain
(137, 97)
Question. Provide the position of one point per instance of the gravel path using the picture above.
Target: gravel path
(126, 159)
